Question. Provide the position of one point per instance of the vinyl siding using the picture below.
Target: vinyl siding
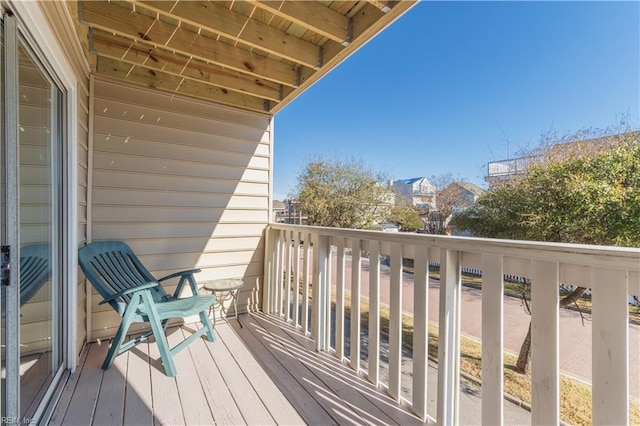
(185, 183)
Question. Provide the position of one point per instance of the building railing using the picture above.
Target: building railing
(302, 255)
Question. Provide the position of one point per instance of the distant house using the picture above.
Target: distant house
(505, 170)
(278, 209)
(468, 195)
(416, 191)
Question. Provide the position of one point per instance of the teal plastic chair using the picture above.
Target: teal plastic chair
(128, 287)
(35, 269)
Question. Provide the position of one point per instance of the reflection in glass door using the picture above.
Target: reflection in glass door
(39, 140)
(32, 302)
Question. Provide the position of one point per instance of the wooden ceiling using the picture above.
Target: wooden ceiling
(253, 54)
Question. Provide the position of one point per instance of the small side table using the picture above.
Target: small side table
(229, 286)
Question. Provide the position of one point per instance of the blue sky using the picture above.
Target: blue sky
(453, 85)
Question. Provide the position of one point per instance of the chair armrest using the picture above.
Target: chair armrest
(128, 291)
(180, 274)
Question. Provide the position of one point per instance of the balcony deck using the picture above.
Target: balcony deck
(264, 373)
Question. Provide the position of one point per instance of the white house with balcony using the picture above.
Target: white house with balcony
(417, 191)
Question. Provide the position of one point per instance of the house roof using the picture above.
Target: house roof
(471, 187)
(411, 181)
(254, 54)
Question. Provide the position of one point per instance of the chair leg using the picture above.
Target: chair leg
(116, 343)
(159, 334)
(207, 324)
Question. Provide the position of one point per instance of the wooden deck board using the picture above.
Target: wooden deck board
(285, 376)
(166, 407)
(69, 389)
(82, 405)
(223, 407)
(110, 405)
(138, 408)
(274, 400)
(247, 400)
(264, 373)
(192, 398)
(369, 402)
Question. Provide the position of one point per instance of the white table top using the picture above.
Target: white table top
(224, 284)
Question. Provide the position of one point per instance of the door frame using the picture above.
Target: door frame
(30, 22)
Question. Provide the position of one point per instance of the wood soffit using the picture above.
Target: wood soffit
(257, 55)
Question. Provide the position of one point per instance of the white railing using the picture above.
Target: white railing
(302, 254)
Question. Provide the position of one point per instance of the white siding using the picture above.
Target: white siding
(185, 183)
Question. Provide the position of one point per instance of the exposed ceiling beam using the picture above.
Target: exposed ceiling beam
(171, 83)
(142, 28)
(366, 23)
(311, 15)
(242, 29)
(111, 46)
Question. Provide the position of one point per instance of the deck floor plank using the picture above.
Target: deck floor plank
(223, 407)
(275, 401)
(344, 384)
(69, 389)
(363, 396)
(195, 406)
(85, 396)
(264, 373)
(138, 408)
(167, 409)
(295, 381)
(248, 401)
(110, 405)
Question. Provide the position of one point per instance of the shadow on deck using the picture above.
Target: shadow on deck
(264, 373)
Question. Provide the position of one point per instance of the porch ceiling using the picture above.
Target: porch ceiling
(253, 54)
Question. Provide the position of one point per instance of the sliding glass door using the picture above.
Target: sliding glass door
(33, 336)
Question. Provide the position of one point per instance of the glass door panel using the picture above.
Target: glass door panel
(39, 198)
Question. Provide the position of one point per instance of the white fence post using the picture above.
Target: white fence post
(354, 346)
(492, 340)
(610, 334)
(545, 377)
(340, 282)
(449, 338)
(420, 330)
(318, 325)
(374, 312)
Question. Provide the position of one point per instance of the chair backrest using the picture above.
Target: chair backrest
(35, 269)
(111, 266)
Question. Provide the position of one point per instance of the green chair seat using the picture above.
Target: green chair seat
(130, 289)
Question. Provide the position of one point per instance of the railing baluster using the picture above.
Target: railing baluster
(278, 271)
(374, 312)
(420, 330)
(305, 283)
(545, 378)
(296, 279)
(354, 348)
(327, 297)
(267, 280)
(395, 322)
(320, 280)
(449, 338)
(492, 340)
(610, 335)
(287, 280)
(340, 280)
